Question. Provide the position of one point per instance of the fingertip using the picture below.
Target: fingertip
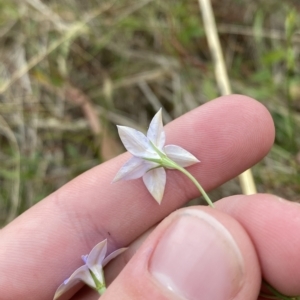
(249, 108)
(254, 112)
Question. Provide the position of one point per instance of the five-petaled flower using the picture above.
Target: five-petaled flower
(151, 156)
(91, 273)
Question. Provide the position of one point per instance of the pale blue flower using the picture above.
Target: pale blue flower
(91, 273)
(151, 156)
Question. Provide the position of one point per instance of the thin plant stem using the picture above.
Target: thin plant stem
(102, 290)
(194, 180)
(169, 163)
(246, 178)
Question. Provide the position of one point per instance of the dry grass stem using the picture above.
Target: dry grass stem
(248, 31)
(246, 178)
(71, 33)
(49, 14)
(151, 97)
(15, 186)
(151, 75)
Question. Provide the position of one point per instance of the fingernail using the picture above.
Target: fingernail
(197, 258)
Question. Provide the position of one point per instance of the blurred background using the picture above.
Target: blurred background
(70, 70)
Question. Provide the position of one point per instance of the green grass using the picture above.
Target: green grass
(57, 55)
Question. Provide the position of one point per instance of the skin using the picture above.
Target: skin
(43, 246)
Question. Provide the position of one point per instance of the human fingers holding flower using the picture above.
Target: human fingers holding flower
(228, 135)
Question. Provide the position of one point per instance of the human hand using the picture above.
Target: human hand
(43, 246)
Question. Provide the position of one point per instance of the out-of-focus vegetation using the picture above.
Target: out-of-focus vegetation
(72, 69)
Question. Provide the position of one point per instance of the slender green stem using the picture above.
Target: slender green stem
(194, 180)
(169, 163)
(166, 162)
(101, 290)
(197, 184)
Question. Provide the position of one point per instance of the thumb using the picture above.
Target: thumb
(195, 253)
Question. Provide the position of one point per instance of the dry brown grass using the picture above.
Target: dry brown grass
(71, 70)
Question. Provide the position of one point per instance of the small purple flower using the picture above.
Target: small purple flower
(151, 156)
(91, 273)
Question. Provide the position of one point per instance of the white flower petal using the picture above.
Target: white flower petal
(112, 256)
(155, 181)
(156, 133)
(84, 275)
(134, 168)
(97, 254)
(95, 260)
(81, 274)
(179, 155)
(136, 142)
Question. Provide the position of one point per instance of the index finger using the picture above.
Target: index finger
(228, 135)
